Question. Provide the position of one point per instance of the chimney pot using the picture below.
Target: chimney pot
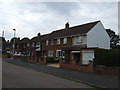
(67, 25)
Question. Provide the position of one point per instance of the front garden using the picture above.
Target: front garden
(53, 60)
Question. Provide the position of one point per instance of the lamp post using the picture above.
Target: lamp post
(14, 43)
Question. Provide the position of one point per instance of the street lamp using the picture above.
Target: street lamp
(14, 42)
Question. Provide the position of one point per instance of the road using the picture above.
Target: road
(19, 77)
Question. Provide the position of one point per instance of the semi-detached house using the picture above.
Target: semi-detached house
(77, 43)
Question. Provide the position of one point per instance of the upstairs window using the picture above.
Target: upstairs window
(58, 41)
(47, 42)
(52, 42)
(65, 41)
(38, 44)
(79, 39)
(28, 44)
(33, 44)
(17, 46)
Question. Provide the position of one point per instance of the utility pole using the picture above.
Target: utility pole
(3, 34)
(14, 43)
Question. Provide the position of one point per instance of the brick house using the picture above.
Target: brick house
(23, 45)
(76, 44)
(36, 48)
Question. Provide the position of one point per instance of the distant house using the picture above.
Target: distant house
(24, 45)
(76, 43)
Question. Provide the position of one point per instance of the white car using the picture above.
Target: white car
(18, 54)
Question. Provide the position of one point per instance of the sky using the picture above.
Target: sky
(30, 18)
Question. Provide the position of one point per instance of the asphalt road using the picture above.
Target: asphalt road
(19, 77)
(106, 81)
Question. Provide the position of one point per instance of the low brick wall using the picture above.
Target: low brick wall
(107, 70)
(36, 60)
(85, 68)
(42, 62)
(25, 58)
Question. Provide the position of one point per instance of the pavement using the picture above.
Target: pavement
(103, 81)
(20, 77)
(56, 65)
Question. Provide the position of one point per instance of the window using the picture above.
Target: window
(17, 46)
(47, 42)
(65, 41)
(52, 42)
(38, 44)
(58, 41)
(50, 53)
(28, 44)
(79, 39)
(33, 44)
(60, 53)
(63, 54)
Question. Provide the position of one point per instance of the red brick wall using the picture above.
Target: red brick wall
(85, 68)
(36, 60)
(55, 46)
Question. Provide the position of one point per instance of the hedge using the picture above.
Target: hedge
(107, 57)
(53, 60)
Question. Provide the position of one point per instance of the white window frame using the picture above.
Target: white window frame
(33, 44)
(58, 41)
(65, 41)
(79, 39)
(50, 53)
(38, 44)
(47, 42)
(52, 42)
(57, 53)
(28, 44)
(60, 53)
(63, 54)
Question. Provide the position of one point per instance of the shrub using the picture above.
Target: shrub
(107, 57)
(53, 60)
(58, 59)
(50, 59)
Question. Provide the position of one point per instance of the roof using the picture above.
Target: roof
(75, 30)
(38, 38)
(25, 40)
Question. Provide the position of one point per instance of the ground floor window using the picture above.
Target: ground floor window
(60, 53)
(50, 53)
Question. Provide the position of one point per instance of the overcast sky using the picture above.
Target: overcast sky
(29, 18)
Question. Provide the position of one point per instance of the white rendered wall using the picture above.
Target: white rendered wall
(86, 56)
(98, 37)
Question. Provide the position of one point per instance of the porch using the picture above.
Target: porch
(78, 58)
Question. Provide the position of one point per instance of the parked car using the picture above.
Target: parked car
(21, 54)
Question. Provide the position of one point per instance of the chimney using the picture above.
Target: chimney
(67, 25)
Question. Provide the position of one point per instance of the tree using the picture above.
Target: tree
(114, 39)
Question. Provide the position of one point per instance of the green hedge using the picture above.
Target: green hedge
(107, 57)
(53, 60)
